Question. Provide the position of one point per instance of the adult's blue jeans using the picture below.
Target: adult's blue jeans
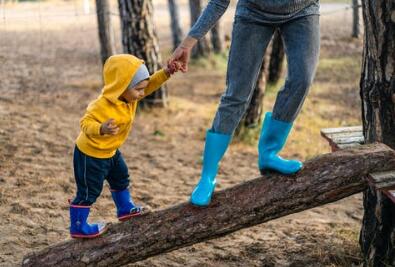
(250, 38)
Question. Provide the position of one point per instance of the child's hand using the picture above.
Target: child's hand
(109, 127)
(172, 67)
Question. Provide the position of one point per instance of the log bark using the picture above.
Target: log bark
(324, 179)
(377, 238)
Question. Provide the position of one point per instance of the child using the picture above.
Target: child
(104, 128)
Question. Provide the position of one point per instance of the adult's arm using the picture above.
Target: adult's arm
(211, 14)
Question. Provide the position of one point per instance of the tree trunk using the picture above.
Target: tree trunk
(139, 38)
(325, 179)
(216, 39)
(106, 36)
(202, 48)
(175, 23)
(377, 83)
(276, 58)
(355, 20)
(253, 114)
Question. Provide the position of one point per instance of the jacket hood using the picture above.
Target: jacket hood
(118, 72)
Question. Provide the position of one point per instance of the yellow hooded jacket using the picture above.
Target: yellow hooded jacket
(118, 72)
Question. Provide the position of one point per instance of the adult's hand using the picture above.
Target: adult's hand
(182, 53)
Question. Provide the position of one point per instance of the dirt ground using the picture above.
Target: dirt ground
(50, 70)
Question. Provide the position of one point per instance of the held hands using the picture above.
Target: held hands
(182, 53)
(172, 67)
(109, 127)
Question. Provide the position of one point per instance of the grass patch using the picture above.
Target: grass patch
(348, 252)
(342, 69)
(341, 64)
(214, 61)
(272, 88)
(248, 135)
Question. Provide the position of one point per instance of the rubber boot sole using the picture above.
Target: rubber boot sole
(131, 215)
(81, 236)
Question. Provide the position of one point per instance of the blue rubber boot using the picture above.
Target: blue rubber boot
(126, 209)
(79, 227)
(215, 147)
(274, 134)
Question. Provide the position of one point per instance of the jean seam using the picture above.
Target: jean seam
(86, 184)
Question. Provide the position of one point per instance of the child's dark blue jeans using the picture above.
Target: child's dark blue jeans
(90, 174)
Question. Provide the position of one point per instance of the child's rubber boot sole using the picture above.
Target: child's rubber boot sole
(82, 236)
(134, 213)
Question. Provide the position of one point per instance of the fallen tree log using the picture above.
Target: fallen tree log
(324, 179)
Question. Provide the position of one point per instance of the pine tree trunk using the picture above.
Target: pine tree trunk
(139, 38)
(355, 22)
(276, 58)
(175, 23)
(106, 36)
(202, 48)
(377, 237)
(216, 39)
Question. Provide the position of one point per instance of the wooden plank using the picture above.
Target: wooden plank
(333, 145)
(346, 134)
(343, 137)
(349, 140)
(382, 180)
(391, 195)
(349, 137)
(342, 130)
(344, 146)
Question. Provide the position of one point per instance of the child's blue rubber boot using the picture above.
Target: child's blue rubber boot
(214, 149)
(126, 209)
(274, 134)
(79, 227)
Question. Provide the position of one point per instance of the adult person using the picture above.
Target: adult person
(254, 24)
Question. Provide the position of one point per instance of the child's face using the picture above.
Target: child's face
(135, 93)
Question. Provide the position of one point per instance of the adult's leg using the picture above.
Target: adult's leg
(301, 42)
(249, 42)
(302, 45)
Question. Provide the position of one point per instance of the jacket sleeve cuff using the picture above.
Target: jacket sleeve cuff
(96, 128)
(163, 76)
(91, 128)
